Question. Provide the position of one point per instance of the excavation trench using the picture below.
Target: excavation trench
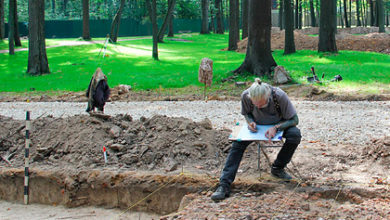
(147, 192)
(129, 191)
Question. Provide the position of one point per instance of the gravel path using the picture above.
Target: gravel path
(329, 122)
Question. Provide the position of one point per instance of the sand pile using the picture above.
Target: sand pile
(375, 42)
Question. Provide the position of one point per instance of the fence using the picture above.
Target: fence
(100, 28)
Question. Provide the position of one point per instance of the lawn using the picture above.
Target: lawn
(130, 62)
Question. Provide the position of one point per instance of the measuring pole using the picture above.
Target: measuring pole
(26, 157)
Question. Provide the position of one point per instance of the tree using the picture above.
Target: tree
(116, 23)
(53, 6)
(300, 16)
(372, 13)
(37, 58)
(2, 27)
(281, 14)
(328, 26)
(341, 15)
(11, 27)
(347, 25)
(237, 20)
(381, 16)
(296, 14)
(152, 8)
(170, 29)
(205, 17)
(244, 10)
(233, 27)
(18, 43)
(312, 14)
(161, 32)
(86, 34)
(289, 45)
(65, 8)
(219, 13)
(258, 59)
(358, 13)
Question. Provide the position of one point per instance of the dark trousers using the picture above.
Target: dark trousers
(293, 138)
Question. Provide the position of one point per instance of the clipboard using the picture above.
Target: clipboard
(242, 133)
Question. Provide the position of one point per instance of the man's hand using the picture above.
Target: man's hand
(270, 133)
(252, 127)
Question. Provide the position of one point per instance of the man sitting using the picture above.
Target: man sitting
(264, 105)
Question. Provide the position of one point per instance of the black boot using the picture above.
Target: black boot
(221, 193)
(280, 173)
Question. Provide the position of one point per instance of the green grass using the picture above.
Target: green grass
(130, 62)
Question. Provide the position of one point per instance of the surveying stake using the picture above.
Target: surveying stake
(26, 157)
(104, 46)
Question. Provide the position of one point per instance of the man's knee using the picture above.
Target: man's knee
(293, 135)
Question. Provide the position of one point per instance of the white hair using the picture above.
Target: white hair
(259, 90)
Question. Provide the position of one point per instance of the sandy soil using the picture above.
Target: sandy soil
(11, 211)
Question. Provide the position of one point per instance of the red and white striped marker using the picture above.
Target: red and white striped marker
(105, 154)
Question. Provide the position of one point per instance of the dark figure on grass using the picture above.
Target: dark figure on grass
(98, 91)
(263, 104)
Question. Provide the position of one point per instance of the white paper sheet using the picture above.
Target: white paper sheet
(246, 135)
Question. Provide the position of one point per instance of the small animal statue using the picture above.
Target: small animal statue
(313, 78)
(98, 91)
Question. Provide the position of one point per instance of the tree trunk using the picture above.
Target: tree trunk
(223, 15)
(212, 18)
(170, 29)
(53, 6)
(341, 15)
(18, 43)
(381, 16)
(296, 14)
(218, 5)
(281, 15)
(116, 23)
(350, 13)
(205, 17)
(244, 18)
(372, 15)
(37, 59)
(289, 44)
(258, 59)
(312, 14)
(233, 29)
(2, 25)
(86, 34)
(152, 8)
(300, 15)
(165, 23)
(65, 8)
(358, 13)
(346, 14)
(237, 20)
(364, 18)
(11, 27)
(328, 27)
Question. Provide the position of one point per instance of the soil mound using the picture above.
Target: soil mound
(375, 42)
(158, 142)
